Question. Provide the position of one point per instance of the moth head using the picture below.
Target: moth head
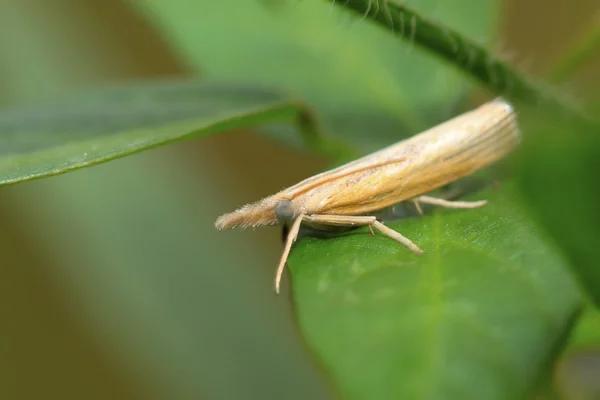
(269, 211)
(285, 211)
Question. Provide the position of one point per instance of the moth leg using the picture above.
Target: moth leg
(417, 204)
(397, 237)
(291, 238)
(342, 220)
(450, 204)
(371, 229)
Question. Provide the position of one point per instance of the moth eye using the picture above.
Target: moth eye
(284, 210)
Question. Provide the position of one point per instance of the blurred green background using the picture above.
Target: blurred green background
(114, 283)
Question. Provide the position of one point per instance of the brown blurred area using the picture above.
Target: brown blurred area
(47, 349)
(537, 33)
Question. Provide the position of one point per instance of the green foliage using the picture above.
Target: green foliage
(485, 311)
(559, 167)
(368, 87)
(87, 130)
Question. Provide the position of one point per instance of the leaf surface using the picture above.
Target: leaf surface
(473, 318)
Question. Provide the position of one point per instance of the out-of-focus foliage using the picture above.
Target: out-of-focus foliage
(87, 130)
(358, 76)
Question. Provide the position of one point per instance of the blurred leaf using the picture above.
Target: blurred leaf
(332, 59)
(577, 375)
(587, 332)
(569, 373)
(87, 130)
(580, 360)
(154, 285)
(558, 175)
(476, 317)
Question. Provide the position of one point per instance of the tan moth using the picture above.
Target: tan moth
(405, 171)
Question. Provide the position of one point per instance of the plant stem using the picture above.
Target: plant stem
(464, 54)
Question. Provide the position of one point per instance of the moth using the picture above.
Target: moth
(350, 195)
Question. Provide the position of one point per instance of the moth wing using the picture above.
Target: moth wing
(363, 190)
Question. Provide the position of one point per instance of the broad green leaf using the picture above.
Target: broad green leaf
(89, 129)
(474, 318)
(334, 60)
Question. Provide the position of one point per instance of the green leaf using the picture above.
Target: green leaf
(474, 318)
(86, 130)
(587, 333)
(558, 175)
